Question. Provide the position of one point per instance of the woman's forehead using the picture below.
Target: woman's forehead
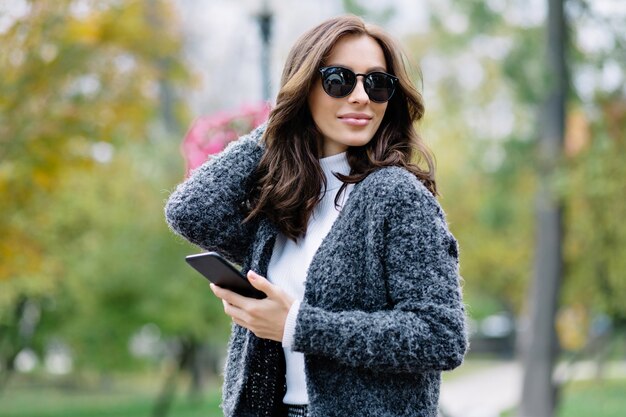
(357, 52)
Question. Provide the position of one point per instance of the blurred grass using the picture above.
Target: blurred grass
(51, 402)
(592, 398)
(580, 399)
(604, 398)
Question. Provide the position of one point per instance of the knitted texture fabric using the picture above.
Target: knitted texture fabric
(297, 411)
(382, 313)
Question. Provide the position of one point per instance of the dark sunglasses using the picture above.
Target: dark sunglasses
(339, 82)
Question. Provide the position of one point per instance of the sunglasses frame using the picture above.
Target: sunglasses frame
(393, 78)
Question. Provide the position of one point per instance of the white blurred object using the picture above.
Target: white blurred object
(102, 152)
(497, 325)
(58, 359)
(26, 360)
(146, 342)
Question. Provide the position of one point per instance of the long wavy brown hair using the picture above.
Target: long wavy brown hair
(288, 181)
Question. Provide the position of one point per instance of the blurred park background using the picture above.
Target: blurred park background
(525, 111)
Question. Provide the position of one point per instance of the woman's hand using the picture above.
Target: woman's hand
(265, 318)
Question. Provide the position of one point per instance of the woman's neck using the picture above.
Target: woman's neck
(335, 163)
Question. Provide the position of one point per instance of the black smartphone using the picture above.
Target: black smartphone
(223, 274)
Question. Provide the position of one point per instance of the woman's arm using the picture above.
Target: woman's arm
(425, 329)
(206, 209)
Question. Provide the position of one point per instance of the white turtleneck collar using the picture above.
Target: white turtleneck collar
(290, 262)
(335, 163)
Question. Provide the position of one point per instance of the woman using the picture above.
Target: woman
(343, 234)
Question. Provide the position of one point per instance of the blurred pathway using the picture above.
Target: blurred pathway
(484, 392)
(494, 387)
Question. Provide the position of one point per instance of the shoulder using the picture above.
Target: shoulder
(409, 210)
(398, 194)
(395, 185)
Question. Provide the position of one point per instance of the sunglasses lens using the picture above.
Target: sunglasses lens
(379, 87)
(338, 82)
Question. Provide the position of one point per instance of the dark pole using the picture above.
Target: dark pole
(539, 392)
(167, 95)
(265, 24)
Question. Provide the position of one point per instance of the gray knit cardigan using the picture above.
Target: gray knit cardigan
(382, 313)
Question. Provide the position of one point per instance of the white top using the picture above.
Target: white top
(290, 262)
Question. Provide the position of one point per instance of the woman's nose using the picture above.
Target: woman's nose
(359, 94)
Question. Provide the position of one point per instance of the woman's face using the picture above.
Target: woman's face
(354, 119)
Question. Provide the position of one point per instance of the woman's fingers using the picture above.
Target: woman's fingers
(236, 306)
(261, 283)
(266, 317)
(230, 296)
(237, 314)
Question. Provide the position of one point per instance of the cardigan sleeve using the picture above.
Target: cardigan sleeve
(206, 209)
(424, 329)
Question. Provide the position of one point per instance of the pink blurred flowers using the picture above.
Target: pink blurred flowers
(209, 135)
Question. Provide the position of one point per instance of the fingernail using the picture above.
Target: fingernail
(252, 275)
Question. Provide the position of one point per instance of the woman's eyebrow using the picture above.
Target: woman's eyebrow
(370, 69)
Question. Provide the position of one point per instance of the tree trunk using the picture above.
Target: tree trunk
(539, 393)
(163, 404)
(13, 339)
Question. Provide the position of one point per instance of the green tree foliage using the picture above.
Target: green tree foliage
(69, 79)
(484, 77)
(593, 181)
(481, 130)
(595, 185)
(80, 86)
(123, 268)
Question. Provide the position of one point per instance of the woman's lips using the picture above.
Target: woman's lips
(355, 119)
